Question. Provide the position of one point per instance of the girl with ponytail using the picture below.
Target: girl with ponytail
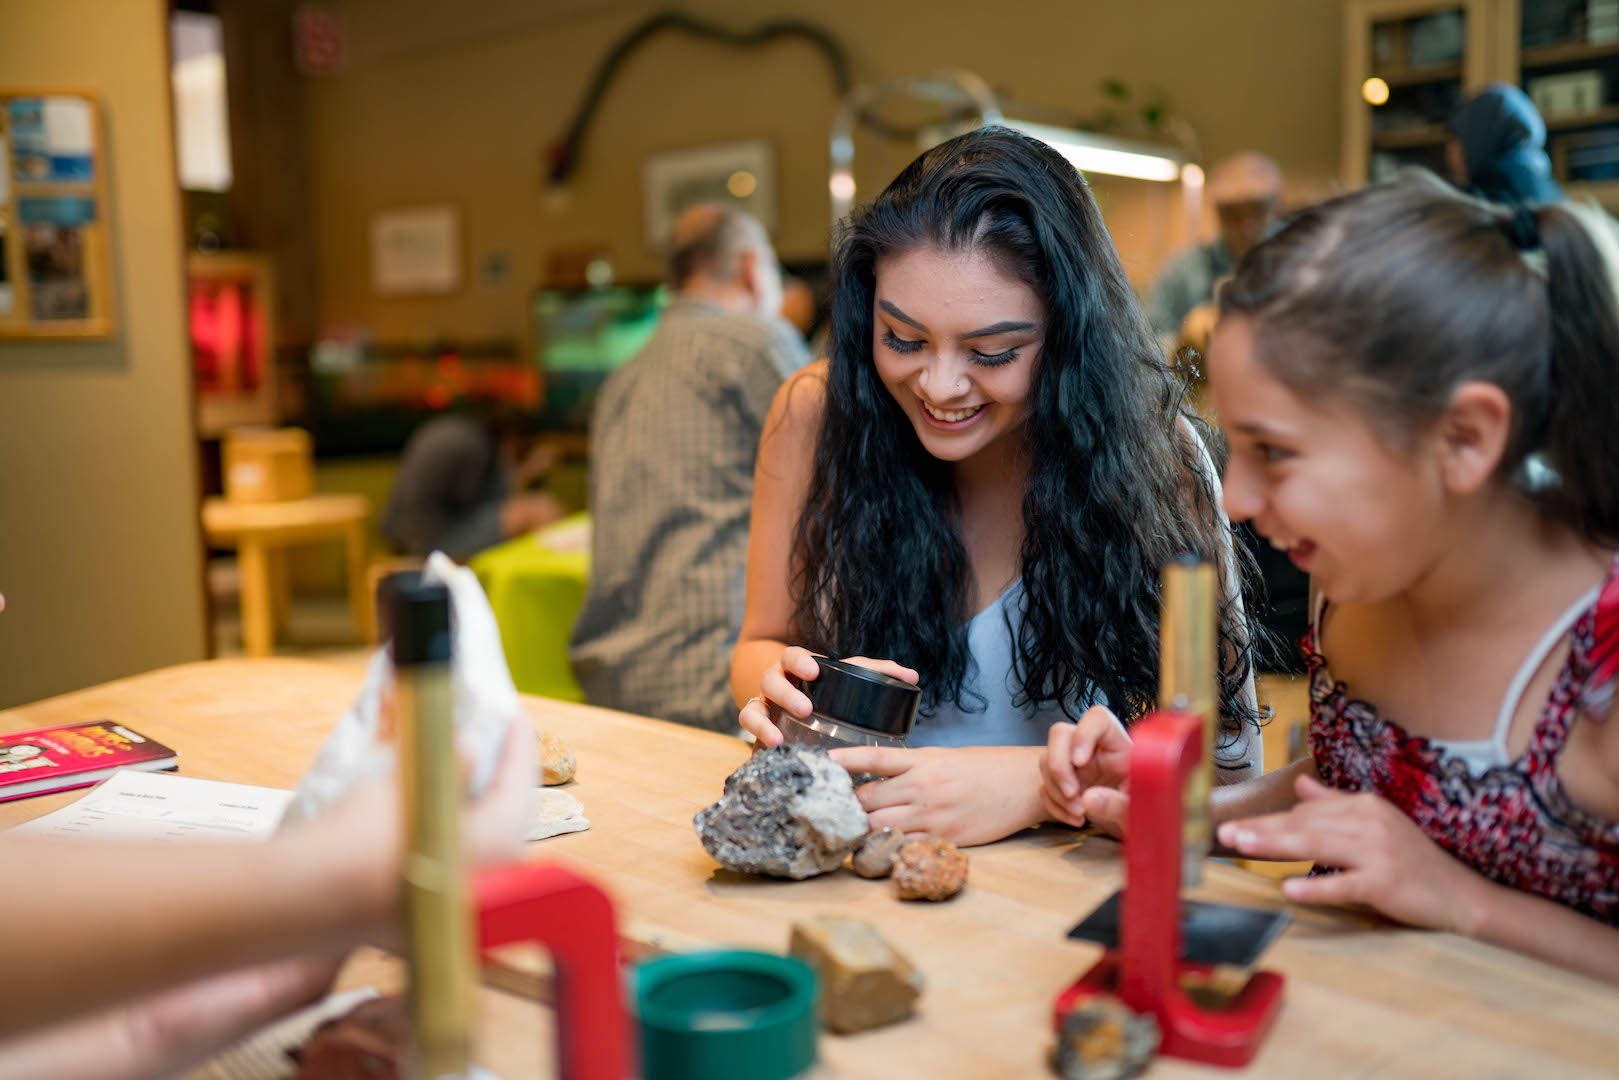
(1421, 393)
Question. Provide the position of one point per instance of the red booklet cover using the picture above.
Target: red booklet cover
(50, 759)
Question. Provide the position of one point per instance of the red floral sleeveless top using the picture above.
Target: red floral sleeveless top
(1513, 823)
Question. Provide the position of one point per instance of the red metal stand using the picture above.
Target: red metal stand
(572, 918)
(1145, 972)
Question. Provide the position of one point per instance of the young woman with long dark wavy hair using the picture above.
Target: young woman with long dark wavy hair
(980, 487)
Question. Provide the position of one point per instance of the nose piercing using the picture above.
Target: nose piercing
(961, 384)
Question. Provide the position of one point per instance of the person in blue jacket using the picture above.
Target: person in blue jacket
(1498, 148)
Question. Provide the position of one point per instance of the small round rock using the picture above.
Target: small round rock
(874, 858)
(928, 868)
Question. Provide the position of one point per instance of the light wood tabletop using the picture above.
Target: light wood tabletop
(1362, 999)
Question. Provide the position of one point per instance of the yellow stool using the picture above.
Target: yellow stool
(261, 532)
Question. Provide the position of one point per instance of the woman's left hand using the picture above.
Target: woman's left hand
(967, 795)
(1384, 860)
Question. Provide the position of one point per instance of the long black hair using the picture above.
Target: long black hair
(1396, 294)
(1116, 487)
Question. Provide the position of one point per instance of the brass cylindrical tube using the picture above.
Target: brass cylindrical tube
(1188, 682)
(438, 912)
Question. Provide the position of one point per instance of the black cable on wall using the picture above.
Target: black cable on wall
(565, 153)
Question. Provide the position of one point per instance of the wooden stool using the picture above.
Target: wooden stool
(262, 531)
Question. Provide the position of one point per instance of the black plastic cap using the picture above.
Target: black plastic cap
(849, 693)
(421, 621)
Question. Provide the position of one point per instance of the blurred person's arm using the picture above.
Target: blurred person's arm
(97, 924)
(171, 1030)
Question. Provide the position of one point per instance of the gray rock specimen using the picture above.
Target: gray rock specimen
(787, 812)
(874, 858)
(1103, 1039)
(864, 982)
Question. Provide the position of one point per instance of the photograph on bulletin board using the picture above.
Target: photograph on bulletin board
(54, 252)
(7, 297)
(53, 140)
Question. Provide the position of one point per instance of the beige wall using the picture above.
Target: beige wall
(100, 558)
(458, 103)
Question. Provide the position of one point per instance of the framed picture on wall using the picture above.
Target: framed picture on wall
(741, 173)
(55, 279)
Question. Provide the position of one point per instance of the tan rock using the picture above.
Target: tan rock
(864, 982)
(557, 765)
(874, 858)
(928, 868)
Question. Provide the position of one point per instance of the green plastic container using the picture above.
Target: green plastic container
(734, 1014)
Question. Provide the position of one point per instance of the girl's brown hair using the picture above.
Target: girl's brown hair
(1398, 293)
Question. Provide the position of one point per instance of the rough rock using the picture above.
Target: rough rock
(1102, 1039)
(557, 764)
(874, 858)
(787, 812)
(864, 982)
(928, 868)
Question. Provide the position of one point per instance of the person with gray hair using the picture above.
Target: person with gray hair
(1246, 192)
(672, 445)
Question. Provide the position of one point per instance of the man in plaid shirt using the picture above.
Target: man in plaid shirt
(672, 446)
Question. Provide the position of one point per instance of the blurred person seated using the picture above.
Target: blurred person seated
(1497, 149)
(672, 446)
(1246, 192)
(461, 484)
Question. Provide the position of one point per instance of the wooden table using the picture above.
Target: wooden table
(1363, 999)
(261, 533)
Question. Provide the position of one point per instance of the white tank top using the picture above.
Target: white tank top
(990, 681)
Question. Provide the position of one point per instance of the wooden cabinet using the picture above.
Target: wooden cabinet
(1408, 63)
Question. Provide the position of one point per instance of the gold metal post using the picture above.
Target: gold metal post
(1188, 682)
(438, 914)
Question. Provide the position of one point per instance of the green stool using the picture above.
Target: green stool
(536, 585)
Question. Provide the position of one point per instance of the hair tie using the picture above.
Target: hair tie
(1524, 232)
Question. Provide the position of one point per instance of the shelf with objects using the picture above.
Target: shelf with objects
(231, 319)
(1408, 64)
(1565, 56)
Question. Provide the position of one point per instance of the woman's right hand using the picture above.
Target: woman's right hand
(776, 689)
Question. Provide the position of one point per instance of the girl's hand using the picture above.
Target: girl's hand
(968, 795)
(1386, 862)
(775, 689)
(1084, 771)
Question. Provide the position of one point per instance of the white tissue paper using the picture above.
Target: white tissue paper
(483, 698)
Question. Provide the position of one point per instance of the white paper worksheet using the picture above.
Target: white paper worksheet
(138, 805)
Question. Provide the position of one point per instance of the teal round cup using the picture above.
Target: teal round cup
(732, 1013)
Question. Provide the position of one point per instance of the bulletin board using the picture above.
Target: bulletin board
(55, 276)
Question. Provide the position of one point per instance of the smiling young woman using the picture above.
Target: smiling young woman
(980, 487)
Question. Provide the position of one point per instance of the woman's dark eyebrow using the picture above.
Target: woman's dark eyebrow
(1004, 327)
(1007, 327)
(894, 310)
